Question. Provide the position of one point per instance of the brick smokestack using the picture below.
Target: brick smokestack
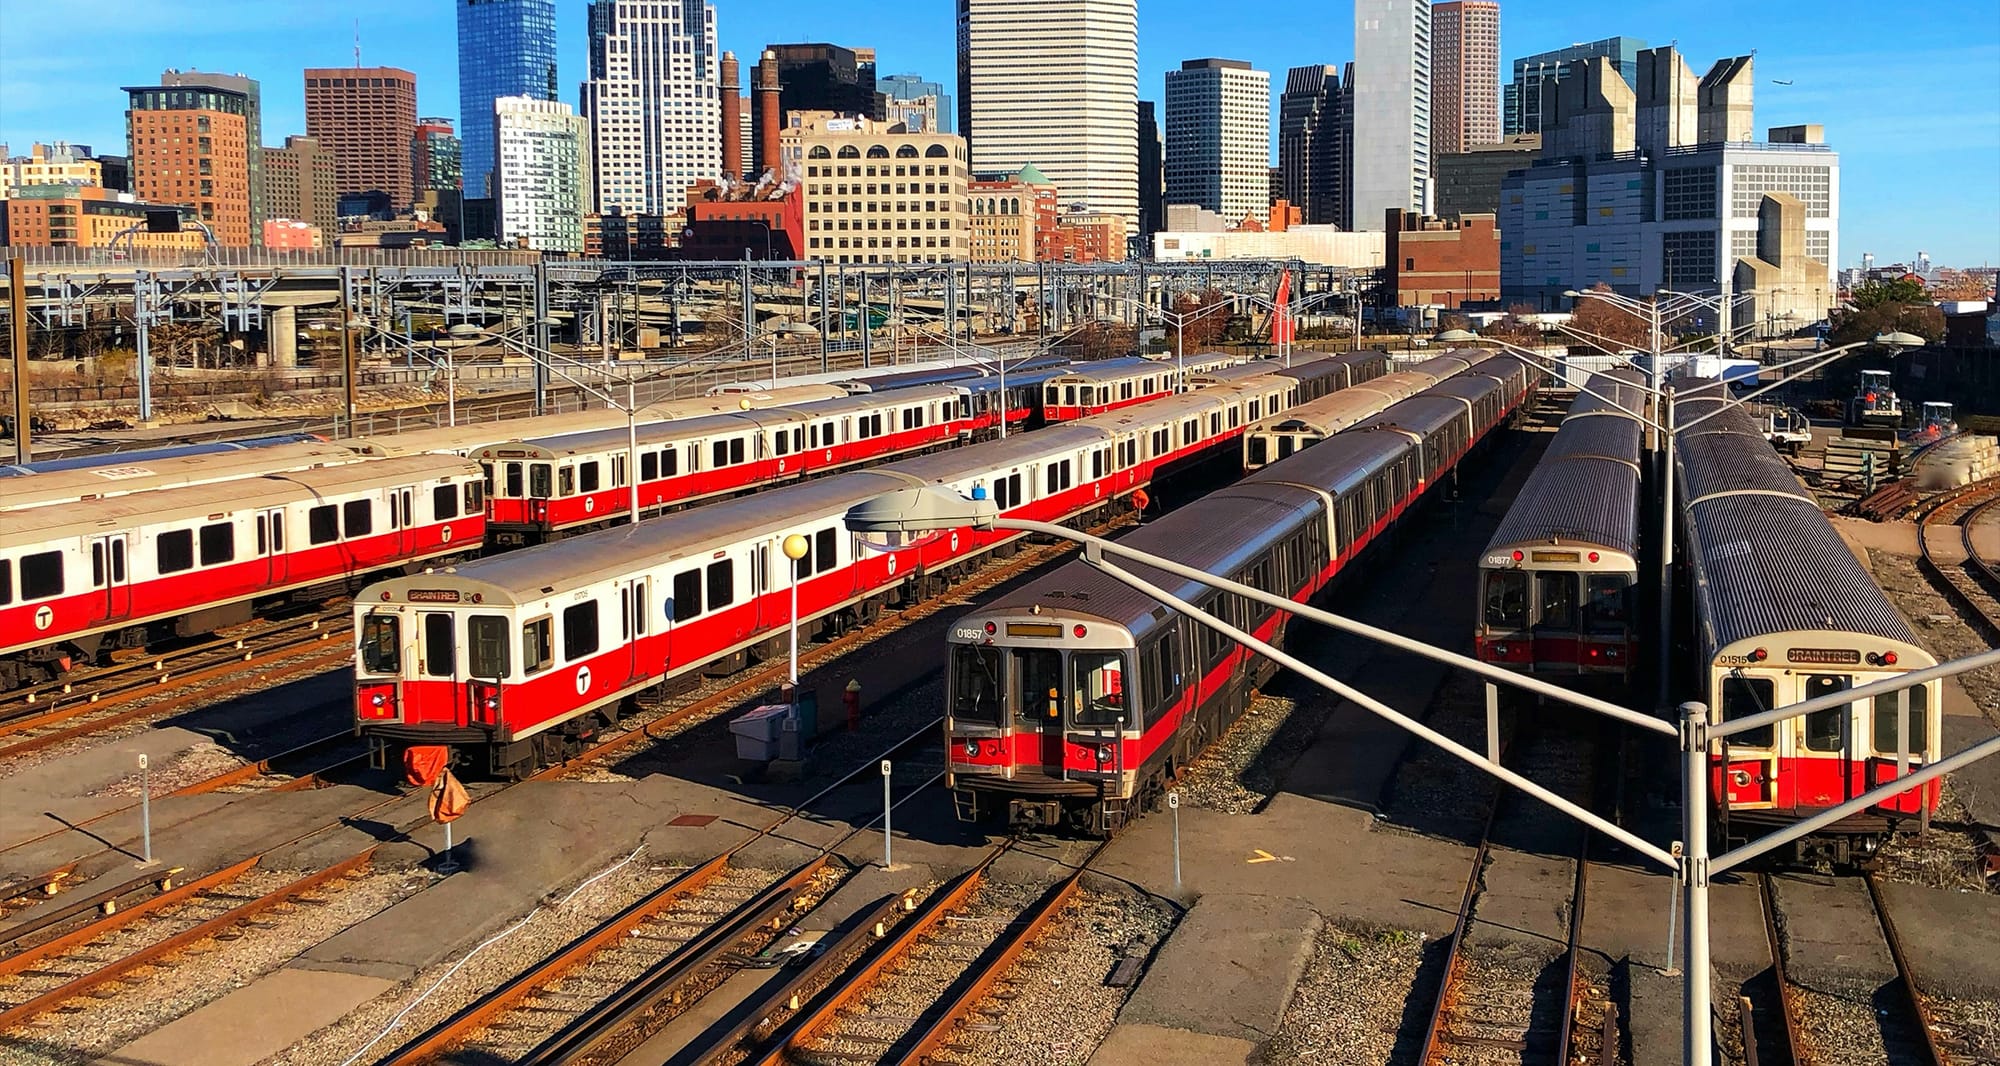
(732, 117)
(767, 113)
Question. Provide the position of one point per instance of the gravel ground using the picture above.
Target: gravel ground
(1351, 1007)
(93, 1026)
(1839, 1031)
(1938, 625)
(1061, 1008)
(1241, 770)
(1948, 857)
(1434, 793)
(544, 933)
(1971, 1031)
(198, 763)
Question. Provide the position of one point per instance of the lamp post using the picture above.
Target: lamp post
(1177, 319)
(1667, 427)
(796, 546)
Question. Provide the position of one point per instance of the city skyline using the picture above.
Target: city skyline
(1888, 148)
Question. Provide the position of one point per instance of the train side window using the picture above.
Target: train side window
(1049, 479)
(579, 630)
(440, 651)
(649, 466)
(1098, 681)
(802, 567)
(486, 645)
(444, 503)
(826, 438)
(721, 584)
(1885, 721)
(566, 481)
(670, 462)
(587, 477)
(1825, 730)
(1507, 599)
(218, 543)
(539, 480)
(381, 644)
(357, 519)
(1259, 450)
(323, 524)
(977, 691)
(1096, 464)
(1743, 697)
(782, 443)
(97, 564)
(513, 486)
(824, 554)
(6, 582)
(1607, 597)
(1555, 591)
(538, 648)
(41, 575)
(174, 550)
(736, 450)
(687, 595)
(718, 454)
(475, 497)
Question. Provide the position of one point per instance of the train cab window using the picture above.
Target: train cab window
(486, 470)
(782, 443)
(41, 575)
(1507, 599)
(218, 543)
(1606, 602)
(588, 477)
(977, 692)
(1743, 697)
(513, 487)
(721, 584)
(323, 524)
(1885, 721)
(357, 519)
(440, 651)
(173, 551)
(1825, 730)
(1069, 395)
(566, 481)
(1555, 593)
(538, 647)
(475, 498)
(486, 646)
(1257, 450)
(1038, 674)
(381, 644)
(824, 554)
(1098, 681)
(686, 602)
(540, 480)
(579, 630)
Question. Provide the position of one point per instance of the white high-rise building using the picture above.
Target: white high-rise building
(1218, 151)
(1392, 109)
(653, 102)
(1054, 85)
(541, 173)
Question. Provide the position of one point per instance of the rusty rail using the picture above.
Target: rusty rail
(123, 916)
(1913, 997)
(1788, 1009)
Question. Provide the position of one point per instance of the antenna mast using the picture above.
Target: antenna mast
(357, 43)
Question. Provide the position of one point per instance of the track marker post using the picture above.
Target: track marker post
(146, 808)
(888, 839)
(1174, 805)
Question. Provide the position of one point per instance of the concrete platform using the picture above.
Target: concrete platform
(1229, 968)
(1950, 938)
(1830, 935)
(252, 1023)
(1526, 901)
(1154, 1045)
(1978, 785)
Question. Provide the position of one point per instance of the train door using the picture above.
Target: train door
(437, 660)
(1820, 745)
(1038, 678)
(271, 525)
(404, 520)
(1554, 630)
(760, 582)
(632, 602)
(108, 571)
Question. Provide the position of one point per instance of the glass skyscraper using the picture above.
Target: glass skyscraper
(505, 48)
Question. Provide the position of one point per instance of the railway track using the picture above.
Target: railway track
(1973, 584)
(160, 685)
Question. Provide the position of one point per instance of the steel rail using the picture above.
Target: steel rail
(1913, 997)
(1788, 1008)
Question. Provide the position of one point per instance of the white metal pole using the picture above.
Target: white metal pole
(888, 837)
(1667, 514)
(794, 675)
(451, 387)
(146, 808)
(632, 443)
(1698, 1031)
(1003, 395)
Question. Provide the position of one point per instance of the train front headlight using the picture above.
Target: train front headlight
(1739, 778)
(1103, 754)
(378, 700)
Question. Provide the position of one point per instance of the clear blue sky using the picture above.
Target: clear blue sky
(1909, 94)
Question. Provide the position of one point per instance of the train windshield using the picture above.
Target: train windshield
(1826, 730)
(1099, 685)
(1557, 592)
(1606, 596)
(381, 644)
(977, 690)
(487, 635)
(1743, 697)
(1507, 599)
(1885, 721)
(1041, 686)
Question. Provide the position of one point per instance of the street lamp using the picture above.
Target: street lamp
(1667, 429)
(792, 329)
(796, 546)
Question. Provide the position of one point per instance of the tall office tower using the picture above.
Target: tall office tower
(301, 184)
(437, 159)
(1152, 178)
(1055, 85)
(505, 48)
(825, 77)
(897, 96)
(1219, 137)
(253, 98)
(541, 174)
(653, 103)
(1309, 142)
(1392, 110)
(1465, 75)
(190, 145)
(1521, 99)
(366, 117)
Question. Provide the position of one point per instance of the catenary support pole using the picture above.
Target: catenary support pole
(17, 309)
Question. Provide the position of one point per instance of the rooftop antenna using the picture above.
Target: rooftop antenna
(357, 43)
